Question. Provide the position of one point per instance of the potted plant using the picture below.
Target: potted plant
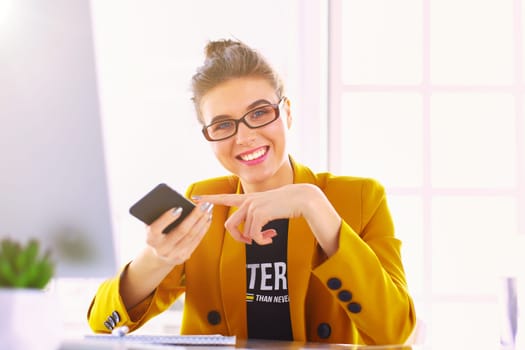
(29, 313)
(24, 266)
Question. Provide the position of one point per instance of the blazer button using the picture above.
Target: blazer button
(354, 308)
(344, 295)
(324, 330)
(115, 315)
(214, 318)
(111, 321)
(334, 283)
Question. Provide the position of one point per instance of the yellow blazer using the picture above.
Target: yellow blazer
(359, 295)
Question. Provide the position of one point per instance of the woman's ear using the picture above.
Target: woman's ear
(288, 112)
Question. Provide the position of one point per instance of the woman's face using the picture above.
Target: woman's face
(258, 156)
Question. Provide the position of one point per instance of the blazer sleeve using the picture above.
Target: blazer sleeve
(108, 311)
(107, 305)
(368, 265)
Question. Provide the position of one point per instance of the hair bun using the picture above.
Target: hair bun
(227, 59)
(218, 47)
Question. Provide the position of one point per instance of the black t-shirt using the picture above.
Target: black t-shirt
(267, 303)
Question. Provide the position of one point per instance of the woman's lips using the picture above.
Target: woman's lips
(254, 155)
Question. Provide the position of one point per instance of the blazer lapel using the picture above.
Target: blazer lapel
(301, 249)
(301, 245)
(233, 283)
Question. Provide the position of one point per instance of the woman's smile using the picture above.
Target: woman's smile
(254, 156)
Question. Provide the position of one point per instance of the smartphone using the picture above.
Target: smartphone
(157, 201)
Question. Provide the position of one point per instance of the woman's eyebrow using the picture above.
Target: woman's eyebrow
(258, 103)
(251, 106)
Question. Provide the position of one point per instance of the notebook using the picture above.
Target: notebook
(211, 339)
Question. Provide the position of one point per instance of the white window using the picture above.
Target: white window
(428, 97)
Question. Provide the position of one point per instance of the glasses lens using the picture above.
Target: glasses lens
(260, 116)
(221, 129)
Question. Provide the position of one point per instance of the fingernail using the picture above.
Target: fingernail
(206, 207)
(176, 211)
(210, 217)
(196, 197)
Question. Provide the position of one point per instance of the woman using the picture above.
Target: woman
(273, 251)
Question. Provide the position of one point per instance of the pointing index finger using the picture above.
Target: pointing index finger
(229, 200)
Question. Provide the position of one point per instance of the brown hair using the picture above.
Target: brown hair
(229, 59)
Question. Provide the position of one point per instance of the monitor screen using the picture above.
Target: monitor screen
(53, 183)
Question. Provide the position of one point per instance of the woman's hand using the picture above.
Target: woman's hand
(257, 209)
(176, 246)
(163, 252)
(291, 201)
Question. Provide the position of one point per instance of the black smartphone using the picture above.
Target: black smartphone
(157, 201)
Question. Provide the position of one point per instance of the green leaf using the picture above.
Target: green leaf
(10, 249)
(31, 252)
(45, 272)
(22, 267)
(7, 273)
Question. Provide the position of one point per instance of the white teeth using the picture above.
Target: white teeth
(254, 155)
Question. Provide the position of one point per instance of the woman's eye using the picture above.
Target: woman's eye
(223, 125)
(260, 112)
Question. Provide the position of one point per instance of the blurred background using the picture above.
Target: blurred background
(426, 96)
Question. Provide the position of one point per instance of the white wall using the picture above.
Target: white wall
(53, 179)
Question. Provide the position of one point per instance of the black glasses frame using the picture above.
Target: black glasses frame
(275, 106)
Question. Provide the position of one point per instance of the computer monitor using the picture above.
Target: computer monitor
(53, 183)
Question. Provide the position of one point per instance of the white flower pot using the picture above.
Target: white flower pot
(29, 319)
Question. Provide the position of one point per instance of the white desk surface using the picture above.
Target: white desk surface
(89, 344)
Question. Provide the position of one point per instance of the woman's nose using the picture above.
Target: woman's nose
(245, 135)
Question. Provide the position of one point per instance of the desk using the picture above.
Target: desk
(241, 344)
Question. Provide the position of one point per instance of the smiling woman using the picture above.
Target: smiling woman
(274, 250)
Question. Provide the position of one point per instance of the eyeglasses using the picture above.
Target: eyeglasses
(255, 118)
